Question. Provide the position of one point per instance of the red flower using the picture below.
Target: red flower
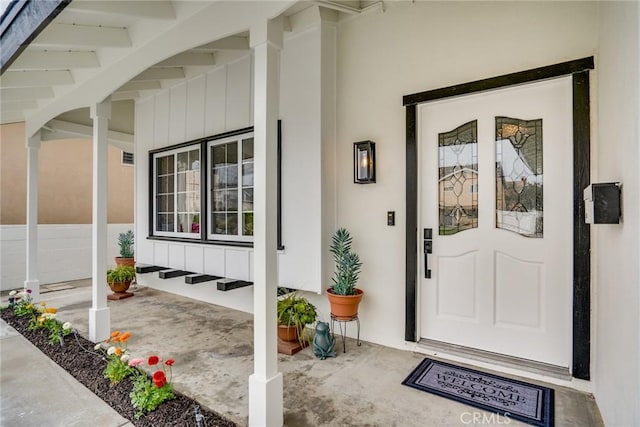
(169, 362)
(159, 379)
(153, 360)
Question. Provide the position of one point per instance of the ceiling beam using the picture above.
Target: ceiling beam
(337, 6)
(188, 59)
(121, 96)
(18, 105)
(133, 86)
(228, 43)
(24, 93)
(35, 78)
(61, 129)
(141, 9)
(159, 74)
(11, 117)
(225, 56)
(81, 36)
(54, 60)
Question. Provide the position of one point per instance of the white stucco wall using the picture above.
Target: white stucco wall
(616, 252)
(411, 48)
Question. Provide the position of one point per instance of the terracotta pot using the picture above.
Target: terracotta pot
(287, 333)
(119, 287)
(125, 261)
(344, 306)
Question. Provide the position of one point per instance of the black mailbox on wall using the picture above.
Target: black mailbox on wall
(602, 203)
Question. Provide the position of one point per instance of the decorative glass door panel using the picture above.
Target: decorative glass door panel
(458, 179)
(519, 186)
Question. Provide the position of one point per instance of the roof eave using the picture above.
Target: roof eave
(22, 23)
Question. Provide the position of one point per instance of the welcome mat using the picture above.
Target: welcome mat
(530, 403)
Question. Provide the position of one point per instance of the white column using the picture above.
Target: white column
(32, 282)
(265, 385)
(99, 317)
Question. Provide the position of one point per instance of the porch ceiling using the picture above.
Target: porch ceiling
(127, 49)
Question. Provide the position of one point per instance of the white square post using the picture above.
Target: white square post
(33, 149)
(99, 316)
(266, 407)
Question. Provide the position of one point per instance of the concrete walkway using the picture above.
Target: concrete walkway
(35, 391)
(213, 349)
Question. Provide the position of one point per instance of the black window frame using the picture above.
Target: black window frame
(203, 144)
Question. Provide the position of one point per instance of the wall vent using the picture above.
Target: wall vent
(127, 158)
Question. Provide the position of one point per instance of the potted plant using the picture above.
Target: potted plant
(125, 242)
(119, 279)
(344, 297)
(294, 313)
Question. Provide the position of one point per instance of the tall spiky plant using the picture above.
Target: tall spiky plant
(125, 241)
(348, 264)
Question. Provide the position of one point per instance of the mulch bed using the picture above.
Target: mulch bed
(87, 368)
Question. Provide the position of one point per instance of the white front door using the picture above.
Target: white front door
(496, 191)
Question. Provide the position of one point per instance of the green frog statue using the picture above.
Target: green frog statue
(323, 341)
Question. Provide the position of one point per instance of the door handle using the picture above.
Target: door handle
(427, 249)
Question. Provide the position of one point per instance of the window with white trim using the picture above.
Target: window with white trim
(177, 192)
(230, 188)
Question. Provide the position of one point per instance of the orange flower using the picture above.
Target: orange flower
(118, 351)
(115, 334)
(52, 310)
(107, 341)
(124, 337)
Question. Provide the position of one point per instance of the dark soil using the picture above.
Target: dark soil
(78, 358)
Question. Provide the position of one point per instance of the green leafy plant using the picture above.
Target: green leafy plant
(117, 356)
(125, 241)
(45, 318)
(148, 393)
(22, 303)
(116, 370)
(58, 330)
(348, 264)
(297, 311)
(121, 273)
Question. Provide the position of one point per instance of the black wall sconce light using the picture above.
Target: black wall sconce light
(364, 162)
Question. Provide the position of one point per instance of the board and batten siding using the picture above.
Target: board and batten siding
(221, 101)
(205, 105)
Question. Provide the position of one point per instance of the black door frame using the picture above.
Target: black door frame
(579, 70)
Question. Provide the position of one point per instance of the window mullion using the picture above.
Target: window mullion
(240, 185)
(175, 193)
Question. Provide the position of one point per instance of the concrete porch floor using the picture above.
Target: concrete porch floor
(212, 346)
